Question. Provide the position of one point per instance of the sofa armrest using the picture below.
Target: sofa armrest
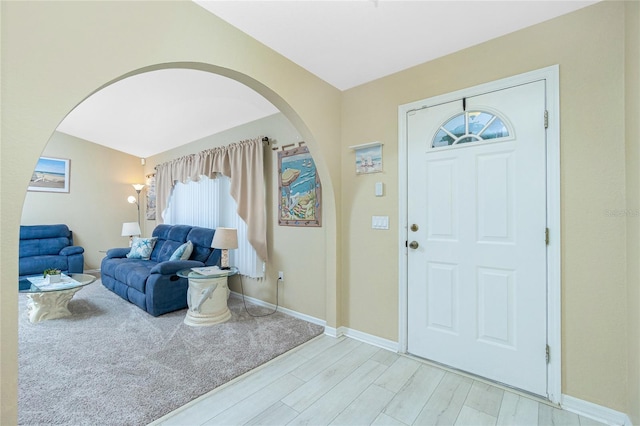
(172, 266)
(118, 252)
(69, 250)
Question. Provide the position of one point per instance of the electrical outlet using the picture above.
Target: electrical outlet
(280, 276)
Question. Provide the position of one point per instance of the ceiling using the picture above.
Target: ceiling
(345, 43)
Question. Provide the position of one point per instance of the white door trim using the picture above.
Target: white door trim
(551, 75)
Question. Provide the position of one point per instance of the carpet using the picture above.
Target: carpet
(113, 364)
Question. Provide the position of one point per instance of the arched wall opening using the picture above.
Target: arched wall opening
(55, 54)
(307, 296)
(129, 170)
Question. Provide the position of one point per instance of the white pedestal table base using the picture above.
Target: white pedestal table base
(207, 300)
(49, 305)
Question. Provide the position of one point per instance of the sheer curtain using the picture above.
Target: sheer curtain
(207, 203)
(243, 163)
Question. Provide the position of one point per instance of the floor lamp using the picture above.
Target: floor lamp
(138, 187)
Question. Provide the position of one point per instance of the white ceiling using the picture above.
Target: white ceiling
(346, 43)
(153, 112)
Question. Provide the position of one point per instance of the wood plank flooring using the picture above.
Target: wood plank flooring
(342, 381)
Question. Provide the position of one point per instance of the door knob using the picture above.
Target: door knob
(413, 244)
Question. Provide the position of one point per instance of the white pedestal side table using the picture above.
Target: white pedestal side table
(207, 296)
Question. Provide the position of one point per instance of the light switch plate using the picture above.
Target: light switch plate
(380, 222)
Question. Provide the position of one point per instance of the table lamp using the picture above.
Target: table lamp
(130, 229)
(225, 239)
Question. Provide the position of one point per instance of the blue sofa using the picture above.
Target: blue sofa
(153, 284)
(48, 247)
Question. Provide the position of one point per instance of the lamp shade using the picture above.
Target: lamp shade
(138, 186)
(225, 238)
(130, 228)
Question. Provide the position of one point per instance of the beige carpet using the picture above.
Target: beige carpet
(113, 364)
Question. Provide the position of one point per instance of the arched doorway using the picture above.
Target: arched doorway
(322, 239)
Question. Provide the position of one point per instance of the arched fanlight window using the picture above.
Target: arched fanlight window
(470, 126)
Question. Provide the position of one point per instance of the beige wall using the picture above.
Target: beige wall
(54, 54)
(589, 47)
(96, 205)
(632, 102)
(289, 247)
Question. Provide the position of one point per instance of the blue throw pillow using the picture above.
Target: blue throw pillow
(141, 248)
(183, 252)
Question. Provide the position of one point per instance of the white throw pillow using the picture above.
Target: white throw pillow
(183, 252)
(141, 248)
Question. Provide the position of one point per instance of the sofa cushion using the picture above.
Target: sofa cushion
(183, 252)
(42, 246)
(201, 238)
(168, 248)
(134, 273)
(141, 248)
(165, 233)
(28, 232)
(34, 265)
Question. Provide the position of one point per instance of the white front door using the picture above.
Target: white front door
(477, 282)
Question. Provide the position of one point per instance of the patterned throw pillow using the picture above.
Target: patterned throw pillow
(183, 252)
(141, 248)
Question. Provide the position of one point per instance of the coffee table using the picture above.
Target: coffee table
(50, 300)
(207, 295)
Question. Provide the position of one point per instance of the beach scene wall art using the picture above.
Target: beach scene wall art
(368, 158)
(151, 197)
(300, 192)
(50, 175)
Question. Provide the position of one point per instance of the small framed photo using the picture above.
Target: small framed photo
(50, 175)
(368, 158)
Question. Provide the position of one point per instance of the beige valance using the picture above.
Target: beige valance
(243, 163)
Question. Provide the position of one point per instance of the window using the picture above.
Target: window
(207, 203)
(468, 127)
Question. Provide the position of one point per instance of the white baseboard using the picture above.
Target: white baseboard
(389, 345)
(332, 332)
(595, 411)
(329, 331)
(304, 317)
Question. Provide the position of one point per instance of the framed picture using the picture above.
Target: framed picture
(151, 197)
(368, 158)
(50, 175)
(300, 192)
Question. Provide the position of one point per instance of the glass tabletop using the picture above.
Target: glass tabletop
(39, 284)
(207, 272)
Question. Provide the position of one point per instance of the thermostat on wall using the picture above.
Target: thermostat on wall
(379, 189)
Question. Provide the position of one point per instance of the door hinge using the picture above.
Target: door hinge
(546, 236)
(546, 119)
(547, 354)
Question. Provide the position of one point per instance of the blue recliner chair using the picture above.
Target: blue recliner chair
(48, 246)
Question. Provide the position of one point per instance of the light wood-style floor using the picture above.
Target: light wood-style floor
(347, 382)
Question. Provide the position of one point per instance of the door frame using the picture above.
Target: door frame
(552, 89)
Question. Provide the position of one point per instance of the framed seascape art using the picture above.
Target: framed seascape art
(300, 192)
(50, 175)
(368, 158)
(151, 197)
